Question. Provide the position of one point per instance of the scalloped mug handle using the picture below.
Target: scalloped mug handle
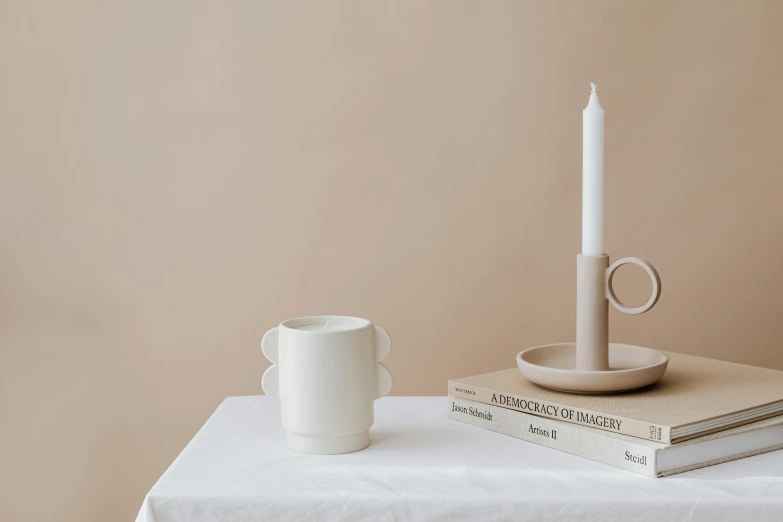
(270, 347)
(382, 348)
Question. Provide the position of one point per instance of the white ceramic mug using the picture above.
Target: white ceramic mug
(327, 375)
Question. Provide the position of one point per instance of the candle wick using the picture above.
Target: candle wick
(326, 325)
(593, 87)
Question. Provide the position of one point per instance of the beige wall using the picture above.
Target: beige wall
(177, 177)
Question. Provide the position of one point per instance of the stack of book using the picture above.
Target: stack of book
(702, 412)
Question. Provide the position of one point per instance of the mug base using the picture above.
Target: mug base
(327, 445)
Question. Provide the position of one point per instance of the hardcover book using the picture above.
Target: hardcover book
(645, 457)
(695, 397)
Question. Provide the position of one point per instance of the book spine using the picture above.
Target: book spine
(591, 419)
(562, 436)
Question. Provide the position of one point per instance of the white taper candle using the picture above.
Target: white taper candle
(593, 177)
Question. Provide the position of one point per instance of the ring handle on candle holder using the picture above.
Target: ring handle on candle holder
(654, 277)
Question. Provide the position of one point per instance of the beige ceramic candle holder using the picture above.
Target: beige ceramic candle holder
(592, 364)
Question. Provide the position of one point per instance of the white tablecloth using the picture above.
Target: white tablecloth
(423, 466)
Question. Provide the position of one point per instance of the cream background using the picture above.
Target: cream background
(177, 177)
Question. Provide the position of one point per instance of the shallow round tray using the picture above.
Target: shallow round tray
(552, 366)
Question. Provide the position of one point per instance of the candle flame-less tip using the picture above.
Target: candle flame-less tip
(593, 103)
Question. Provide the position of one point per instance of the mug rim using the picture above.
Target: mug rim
(356, 323)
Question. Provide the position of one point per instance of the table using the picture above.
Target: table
(424, 466)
